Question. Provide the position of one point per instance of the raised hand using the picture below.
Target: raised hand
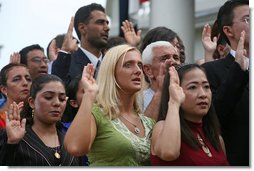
(88, 81)
(209, 45)
(69, 43)
(130, 35)
(175, 91)
(162, 71)
(15, 128)
(240, 55)
(53, 50)
(15, 58)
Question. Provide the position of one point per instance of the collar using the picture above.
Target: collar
(233, 52)
(94, 59)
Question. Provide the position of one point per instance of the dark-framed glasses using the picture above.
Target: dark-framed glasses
(38, 60)
(246, 20)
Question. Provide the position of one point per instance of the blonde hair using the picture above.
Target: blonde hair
(107, 97)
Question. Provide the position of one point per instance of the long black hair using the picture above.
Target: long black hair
(211, 124)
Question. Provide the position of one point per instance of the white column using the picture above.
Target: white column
(178, 15)
(112, 10)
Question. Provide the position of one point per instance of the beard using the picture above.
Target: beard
(98, 43)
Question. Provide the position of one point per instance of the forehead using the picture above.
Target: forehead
(35, 53)
(194, 75)
(17, 70)
(164, 49)
(241, 11)
(53, 86)
(131, 55)
(96, 15)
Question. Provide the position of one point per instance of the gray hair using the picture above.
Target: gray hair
(147, 55)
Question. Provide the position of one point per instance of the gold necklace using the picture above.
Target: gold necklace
(57, 154)
(136, 129)
(204, 147)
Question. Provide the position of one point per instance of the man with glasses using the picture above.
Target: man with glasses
(229, 81)
(34, 58)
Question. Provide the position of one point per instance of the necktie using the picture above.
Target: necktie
(97, 68)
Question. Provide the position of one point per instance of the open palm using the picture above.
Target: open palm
(15, 128)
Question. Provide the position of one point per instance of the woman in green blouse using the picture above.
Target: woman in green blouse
(109, 126)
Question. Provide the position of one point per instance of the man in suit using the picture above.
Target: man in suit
(91, 25)
(229, 81)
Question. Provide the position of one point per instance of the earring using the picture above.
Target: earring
(32, 113)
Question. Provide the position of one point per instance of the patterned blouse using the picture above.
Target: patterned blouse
(115, 145)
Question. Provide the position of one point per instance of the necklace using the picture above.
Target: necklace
(57, 154)
(204, 147)
(136, 129)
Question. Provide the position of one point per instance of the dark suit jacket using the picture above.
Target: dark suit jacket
(31, 151)
(230, 90)
(68, 66)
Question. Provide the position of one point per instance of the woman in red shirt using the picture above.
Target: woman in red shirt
(187, 132)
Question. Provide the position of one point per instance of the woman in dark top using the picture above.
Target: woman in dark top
(74, 92)
(187, 132)
(34, 137)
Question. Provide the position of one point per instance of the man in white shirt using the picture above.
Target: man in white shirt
(91, 25)
(157, 57)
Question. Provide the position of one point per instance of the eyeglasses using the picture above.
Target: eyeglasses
(38, 60)
(246, 20)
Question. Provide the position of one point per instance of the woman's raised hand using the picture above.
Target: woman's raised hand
(15, 127)
(175, 91)
(88, 81)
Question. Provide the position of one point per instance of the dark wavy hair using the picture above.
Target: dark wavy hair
(162, 34)
(211, 124)
(37, 85)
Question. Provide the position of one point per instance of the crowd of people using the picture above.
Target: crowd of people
(97, 100)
